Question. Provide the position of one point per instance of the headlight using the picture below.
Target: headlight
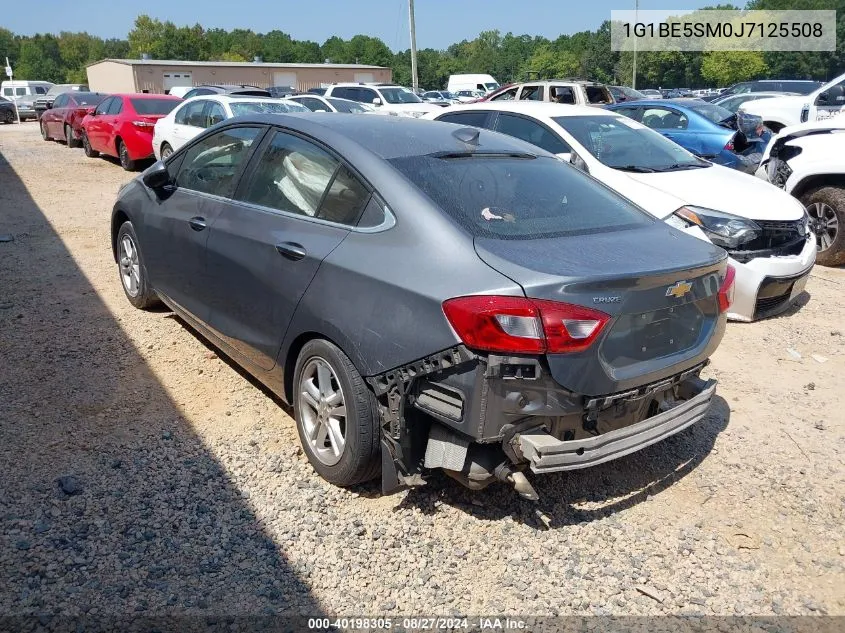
(414, 114)
(723, 229)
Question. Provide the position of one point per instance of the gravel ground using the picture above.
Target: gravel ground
(143, 474)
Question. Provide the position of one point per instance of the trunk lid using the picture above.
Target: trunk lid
(659, 286)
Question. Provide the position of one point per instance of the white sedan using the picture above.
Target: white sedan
(764, 230)
(198, 113)
(318, 103)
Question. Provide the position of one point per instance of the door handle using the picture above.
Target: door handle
(291, 250)
(197, 223)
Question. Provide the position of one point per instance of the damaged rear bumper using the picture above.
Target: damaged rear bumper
(545, 453)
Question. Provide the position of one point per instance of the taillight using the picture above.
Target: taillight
(730, 145)
(519, 325)
(143, 124)
(727, 289)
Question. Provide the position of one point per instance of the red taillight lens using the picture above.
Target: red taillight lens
(726, 291)
(730, 145)
(143, 124)
(519, 325)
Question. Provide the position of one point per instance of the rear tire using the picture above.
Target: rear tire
(44, 134)
(90, 152)
(132, 271)
(8, 116)
(71, 142)
(826, 208)
(325, 383)
(123, 155)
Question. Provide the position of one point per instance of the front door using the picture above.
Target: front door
(94, 128)
(175, 235)
(296, 206)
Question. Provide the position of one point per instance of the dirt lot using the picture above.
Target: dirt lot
(189, 493)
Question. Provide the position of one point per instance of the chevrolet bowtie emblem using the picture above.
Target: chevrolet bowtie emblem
(679, 289)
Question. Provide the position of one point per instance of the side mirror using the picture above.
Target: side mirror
(579, 163)
(90, 111)
(566, 157)
(157, 176)
(823, 98)
(376, 101)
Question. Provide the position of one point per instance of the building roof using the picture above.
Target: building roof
(177, 62)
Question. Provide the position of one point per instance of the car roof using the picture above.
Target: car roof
(389, 136)
(541, 109)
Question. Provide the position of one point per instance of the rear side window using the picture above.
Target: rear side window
(475, 119)
(531, 132)
(296, 176)
(562, 94)
(154, 106)
(503, 197)
(215, 114)
(598, 94)
(531, 93)
(212, 164)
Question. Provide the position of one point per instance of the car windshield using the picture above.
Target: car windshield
(518, 196)
(87, 98)
(626, 145)
(265, 107)
(344, 105)
(399, 95)
(710, 111)
(154, 106)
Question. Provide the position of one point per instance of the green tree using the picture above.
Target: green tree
(40, 59)
(723, 68)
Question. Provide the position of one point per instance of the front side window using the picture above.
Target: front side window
(531, 93)
(311, 103)
(627, 145)
(342, 105)
(191, 113)
(501, 196)
(507, 95)
(116, 106)
(215, 114)
(474, 118)
(298, 177)
(212, 164)
(60, 102)
(104, 106)
(40, 91)
(531, 132)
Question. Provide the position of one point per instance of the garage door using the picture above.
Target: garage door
(364, 78)
(284, 79)
(172, 80)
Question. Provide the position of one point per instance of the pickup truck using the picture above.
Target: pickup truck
(567, 92)
(779, 112)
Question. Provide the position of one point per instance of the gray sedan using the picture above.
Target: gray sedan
(428, 295)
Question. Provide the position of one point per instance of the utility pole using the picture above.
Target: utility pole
(636, 20)
(414, 78)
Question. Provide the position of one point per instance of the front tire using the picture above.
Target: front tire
(133, 272)
(90, 152)
(336, 415)
(826, 208)
(44, 134)
(8, 116)
(123, 154)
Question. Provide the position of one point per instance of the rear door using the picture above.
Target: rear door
(175, 234)
(294, 208)
(53, 117)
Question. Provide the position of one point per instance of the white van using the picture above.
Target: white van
(17, 88)
(484, 83)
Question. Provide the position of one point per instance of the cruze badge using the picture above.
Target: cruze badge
(679, 289)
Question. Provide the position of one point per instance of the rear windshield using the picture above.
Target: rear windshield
(88, 98)
(598, 94)
(153, 106)
(504, 197)
(710, 111)
(266, 107)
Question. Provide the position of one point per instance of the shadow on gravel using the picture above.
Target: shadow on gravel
(112, 511)
(581, 496)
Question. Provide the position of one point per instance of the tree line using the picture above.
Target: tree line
(62, 58)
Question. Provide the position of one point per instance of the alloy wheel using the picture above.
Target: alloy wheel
(824, 224)
(124, 156)
(323, 410)
(130, 267)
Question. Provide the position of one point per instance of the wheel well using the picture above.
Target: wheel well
(117, 220)
(812, 183)
(117, 142)
(774, 126)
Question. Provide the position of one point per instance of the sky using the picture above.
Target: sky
(439, 22)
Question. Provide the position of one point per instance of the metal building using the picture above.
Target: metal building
(160, 75)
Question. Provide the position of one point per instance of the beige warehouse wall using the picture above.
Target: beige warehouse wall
(111, 77)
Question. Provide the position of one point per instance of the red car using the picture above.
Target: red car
(63, 121)
(122, 126)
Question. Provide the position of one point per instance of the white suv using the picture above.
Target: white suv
(387, 98)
